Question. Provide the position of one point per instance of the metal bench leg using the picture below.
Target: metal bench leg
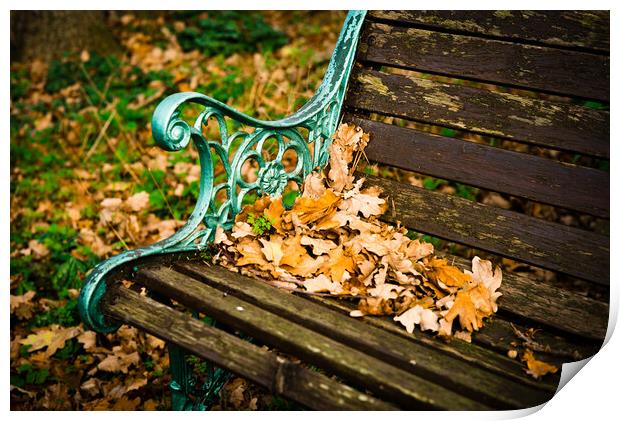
(187, 395)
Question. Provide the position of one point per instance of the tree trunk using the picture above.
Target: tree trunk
(48, 34)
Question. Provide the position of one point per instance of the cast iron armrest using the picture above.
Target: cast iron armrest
(319, 117)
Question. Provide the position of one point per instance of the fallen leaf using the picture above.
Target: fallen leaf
(537, 368)
(22, 305)
(426, 318)
(126, 404)
(88, 339)
(119, 361)
(310, 210)
(272, 249)
(451, 276)
(53, 337)
(322, 283)
(464, 309)
(339, 263)
(138, 201)
(318, 245)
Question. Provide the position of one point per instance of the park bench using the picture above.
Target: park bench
(532, 81)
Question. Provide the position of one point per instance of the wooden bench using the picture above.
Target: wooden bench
(523, 93)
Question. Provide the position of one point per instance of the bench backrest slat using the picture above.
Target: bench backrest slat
(523, 175)
(583, 29)
(546, 244)
(554, 70)
(497, 114)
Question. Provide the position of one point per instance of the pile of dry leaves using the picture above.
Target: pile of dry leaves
(332, 242)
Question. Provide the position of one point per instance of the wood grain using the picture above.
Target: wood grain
(497, 114)
(553, 246)
(540, 179)
(276, 373)
(356, 368)
(583, 29)
(434, 360)
(551, 70)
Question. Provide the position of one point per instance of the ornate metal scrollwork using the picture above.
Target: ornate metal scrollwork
(318, 118)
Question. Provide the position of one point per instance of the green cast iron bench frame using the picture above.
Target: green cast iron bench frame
(371, 354)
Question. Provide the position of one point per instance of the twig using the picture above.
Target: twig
(162, 193)
(102, 133)
(535, 346)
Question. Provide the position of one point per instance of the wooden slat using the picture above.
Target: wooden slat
(277, 374)
(457, 368)
(573, 28)
(551, 70)
(543, 180)
(580, 253)
(353, 366)
(497, 114)
(497, 334)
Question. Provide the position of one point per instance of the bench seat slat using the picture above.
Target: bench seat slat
(561, 28)
(552, 246)
(497, 335)
(497, 114)
(241, 357)
(560, 72)
(450, 365)
(518, 174)
(355, 367)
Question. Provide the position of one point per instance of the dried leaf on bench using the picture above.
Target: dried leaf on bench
(536, 368)
(426, 318)
(331, 242)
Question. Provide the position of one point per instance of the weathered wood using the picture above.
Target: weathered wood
(540, 179)
(353, 366)
(553, 246)
(584, 29)
(276, 373)
(462, 373)
(497, 114)
(498, 334)
(551, 70)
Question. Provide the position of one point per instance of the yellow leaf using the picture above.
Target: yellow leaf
(464, 309)
(536, 368)
(318, 246)
(322, 283)
(310, 210)
(426, 318)
(251, 253)
(440, 270)
(308, 266)
(416, 250)
(293, 251)
(314, 186)
(53, 338)
(273, 213)
(338, 263)
(272, 249)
